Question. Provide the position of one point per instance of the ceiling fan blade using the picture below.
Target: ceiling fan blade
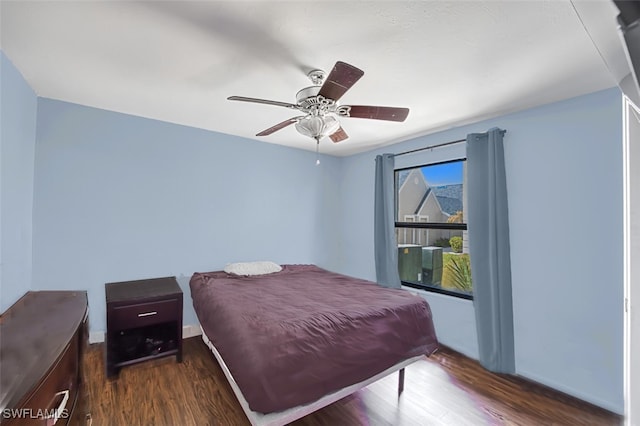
(340, 79)
(262, 101)
(278, 126)
(339, 135)
(374, 112)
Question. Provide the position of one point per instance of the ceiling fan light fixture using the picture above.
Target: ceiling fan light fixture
(317, 126)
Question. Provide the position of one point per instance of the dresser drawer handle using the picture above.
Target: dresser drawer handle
(147, 314)
(60, 409)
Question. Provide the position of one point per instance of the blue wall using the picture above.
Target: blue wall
(119, 197)
(564, 171)
(18, 107)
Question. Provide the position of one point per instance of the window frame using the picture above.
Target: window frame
(427, 225)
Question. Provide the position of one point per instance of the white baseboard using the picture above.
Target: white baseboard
(96, 337)
(191, 330)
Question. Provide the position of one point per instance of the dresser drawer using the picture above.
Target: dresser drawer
(142, 314)
(56, 394)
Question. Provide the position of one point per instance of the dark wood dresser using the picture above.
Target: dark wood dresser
(42, 337)
(144, 322)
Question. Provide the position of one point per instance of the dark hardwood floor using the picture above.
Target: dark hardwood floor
(446, 389)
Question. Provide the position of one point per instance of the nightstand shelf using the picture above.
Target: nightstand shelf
(144, 322)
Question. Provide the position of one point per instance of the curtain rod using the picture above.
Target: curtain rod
(430, 147)
(438, 145)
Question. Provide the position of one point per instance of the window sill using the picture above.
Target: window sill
(414, 287)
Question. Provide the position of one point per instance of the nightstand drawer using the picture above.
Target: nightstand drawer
(142, 314)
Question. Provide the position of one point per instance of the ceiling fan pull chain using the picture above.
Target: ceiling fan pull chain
(317, 151)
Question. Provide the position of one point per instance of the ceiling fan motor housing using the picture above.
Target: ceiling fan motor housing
(305, 94)
(311, 102)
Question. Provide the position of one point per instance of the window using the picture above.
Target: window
(431, 228)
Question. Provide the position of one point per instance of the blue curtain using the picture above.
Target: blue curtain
(385, 246)
(488, 224)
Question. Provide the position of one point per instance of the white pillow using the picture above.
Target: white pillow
(252, 268)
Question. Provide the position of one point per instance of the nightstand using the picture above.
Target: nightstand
(144, 322)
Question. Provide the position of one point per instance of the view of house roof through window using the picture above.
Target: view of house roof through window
(431, 231)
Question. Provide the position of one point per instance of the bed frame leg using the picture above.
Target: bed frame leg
(400, 381)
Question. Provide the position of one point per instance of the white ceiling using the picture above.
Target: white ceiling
(450, 62)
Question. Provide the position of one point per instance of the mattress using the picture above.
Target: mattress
(291, 337)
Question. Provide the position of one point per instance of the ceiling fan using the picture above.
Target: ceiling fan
(320, 106)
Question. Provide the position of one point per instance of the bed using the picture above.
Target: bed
(294, 341)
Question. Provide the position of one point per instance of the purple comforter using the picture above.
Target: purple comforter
(293, 336)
